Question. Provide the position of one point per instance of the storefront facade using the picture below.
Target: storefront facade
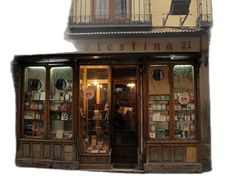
(136, 99)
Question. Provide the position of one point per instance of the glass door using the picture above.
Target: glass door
(124, 115)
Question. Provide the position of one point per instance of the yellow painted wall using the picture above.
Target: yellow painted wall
(159, 11)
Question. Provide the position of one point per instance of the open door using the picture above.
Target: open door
(124, 115)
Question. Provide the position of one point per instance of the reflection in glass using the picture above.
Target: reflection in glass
(184, 98)
(61, 96)
(34, 101)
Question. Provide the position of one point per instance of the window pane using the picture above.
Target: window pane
(94, 108)
(184, 102)
(101, 8)
(159, 102)
(122, 8)
(61, 92)
(34, 101)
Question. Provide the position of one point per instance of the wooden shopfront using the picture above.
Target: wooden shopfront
(123, 104)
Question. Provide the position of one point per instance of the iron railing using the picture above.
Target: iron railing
(141, 19)
(204, 20)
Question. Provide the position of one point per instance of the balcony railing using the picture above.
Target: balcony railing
(135, 19)
(205, 20)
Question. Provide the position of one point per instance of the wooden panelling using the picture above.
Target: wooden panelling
(26, 150)
(46, 151)
(83, 159)
(154, 154)
(179, 154)
(191, 154)
(166, 154)
(171, 153)
(92, 160)
(68, 152)
(68, 156)
(68, 148)
(57, 152)
(36, 151)
(102, 160)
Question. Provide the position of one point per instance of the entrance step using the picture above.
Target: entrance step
(125, 167)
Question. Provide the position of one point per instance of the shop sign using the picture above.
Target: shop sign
(177, 44)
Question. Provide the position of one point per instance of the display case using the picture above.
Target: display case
(34, 113)
(61, 96)
(184, 102)
(159, 116)
(95, 116)
(159, 100)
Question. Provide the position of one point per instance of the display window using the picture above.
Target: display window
(159, 102)
(171, 99)
(61, 96)
(184, 102)
(95, 108)
(34, 112)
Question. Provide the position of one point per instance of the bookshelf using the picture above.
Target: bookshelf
(61, 114)
(159, 122)
(184, 115)
(34, 113)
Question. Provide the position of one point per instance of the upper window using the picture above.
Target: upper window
(101, 8)
(110, 9)
(122, 8)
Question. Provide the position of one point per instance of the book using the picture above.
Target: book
(156, 117)
(36, 95)
(102, 151)
(152, 135)
(59, 134)
(42, 95)
(94, 151)
(67, 97)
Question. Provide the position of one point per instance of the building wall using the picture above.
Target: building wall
(159, 10)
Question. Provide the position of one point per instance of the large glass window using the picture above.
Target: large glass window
(159, 102)
(122, 8)
(102, 8)
(184, 102)
(34, 113)
(95, 108)
(109, 9)
(61, 96)
(172, 109)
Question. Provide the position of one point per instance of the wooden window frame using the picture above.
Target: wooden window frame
(111, 13)
(172, 110)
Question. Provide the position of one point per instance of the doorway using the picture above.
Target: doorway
(124, 116)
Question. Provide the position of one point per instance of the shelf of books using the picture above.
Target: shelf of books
(184, 115)
(34, 113)
(159, 116)
(61, 114)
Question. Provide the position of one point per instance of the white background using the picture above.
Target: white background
(37, 26)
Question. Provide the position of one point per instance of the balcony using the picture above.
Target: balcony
(204, 21)
(108, 23)
(205, 18)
